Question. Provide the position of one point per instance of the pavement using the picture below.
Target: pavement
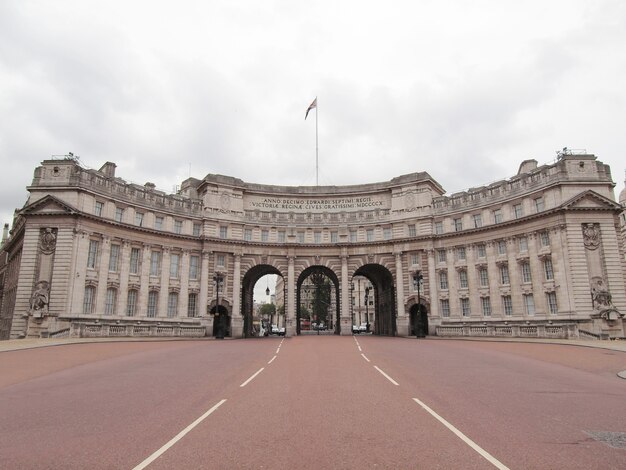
(29, 343)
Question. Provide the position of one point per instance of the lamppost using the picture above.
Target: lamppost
(218, 278)
(352, 306)
(417, 282)
(367, 315)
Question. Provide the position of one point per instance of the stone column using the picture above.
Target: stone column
(142, 304)
(81, 239)
(402, 324)
(103, 270)
(433, 283)
(291, 289)
(124, 272)
(346, 319)
(183, 296)
(203, 298)
(236, 317)
(165, 283)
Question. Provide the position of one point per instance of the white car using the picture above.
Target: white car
(278, 331)
(363, 328)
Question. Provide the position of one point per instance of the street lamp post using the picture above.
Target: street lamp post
(218, 278)
(352, 306)
(367, 315)
(417, 280)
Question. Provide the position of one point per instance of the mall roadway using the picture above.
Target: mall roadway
(312, 402)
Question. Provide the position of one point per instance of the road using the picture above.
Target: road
(312, 402)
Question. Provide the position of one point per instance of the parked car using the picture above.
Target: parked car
(363, 328)
(278, 331)
(355, 329)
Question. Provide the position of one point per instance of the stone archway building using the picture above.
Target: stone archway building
(538, 254)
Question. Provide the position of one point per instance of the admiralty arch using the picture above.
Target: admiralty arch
(538, 254)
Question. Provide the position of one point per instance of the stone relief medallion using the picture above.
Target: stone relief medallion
(409, 201)
(225, 201)
(591, 236)
(47, 240)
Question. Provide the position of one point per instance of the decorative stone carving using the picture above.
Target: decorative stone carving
(602, 301)
(48, 240)
(591, 236)
(39, 300)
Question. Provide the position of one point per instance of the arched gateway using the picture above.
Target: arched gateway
(92, 255)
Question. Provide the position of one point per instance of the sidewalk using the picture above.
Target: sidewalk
(614, 345)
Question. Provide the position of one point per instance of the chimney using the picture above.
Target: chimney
(5, 233)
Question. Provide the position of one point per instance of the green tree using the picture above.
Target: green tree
(267, 310)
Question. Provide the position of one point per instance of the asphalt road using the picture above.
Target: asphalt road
(312, 402)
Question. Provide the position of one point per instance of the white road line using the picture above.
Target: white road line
(278, 350)
(252, 377)
(386, 376)
(357, 344)
(177, 438)
(495, 462)
(272, 360)
(365, 357)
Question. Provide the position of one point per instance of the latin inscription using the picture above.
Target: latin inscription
(312, 205)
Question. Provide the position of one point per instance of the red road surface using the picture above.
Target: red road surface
(316, 403)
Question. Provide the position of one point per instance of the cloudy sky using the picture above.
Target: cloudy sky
(462, 90)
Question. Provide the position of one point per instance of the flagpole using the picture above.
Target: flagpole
(317, 183)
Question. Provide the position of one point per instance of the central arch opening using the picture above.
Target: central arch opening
(317, 303)
(384, 298)
(262, 302)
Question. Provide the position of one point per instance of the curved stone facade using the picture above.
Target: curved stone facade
(538, 254)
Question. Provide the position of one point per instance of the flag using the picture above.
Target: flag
(313, 105)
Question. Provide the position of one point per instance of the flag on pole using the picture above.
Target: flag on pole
(311, 106)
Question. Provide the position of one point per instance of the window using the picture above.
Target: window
(119, 213)
(196, 230)
(482, 251)
(539, 205)
(134, 261)
(370, 234)
(334, 237)
(526, 276)
(99, 208)
(153, 300)
(111, 300)
(517, 209)
(223, 232)
(174, 265)
(523, 244)
(463, 279)
(387, 233)
(155, 263)
(478, 220)
(465, 307)
(300, 237)
(529, 304)
(507, 305)
(441, 256)
(497, 216)
(504, 274)
(192, 305)
(460, 253)
(88, 301)
(552, 307)
(265, 235)
(92, 254)
(178, 227)
(483, 275)
(445, 307)
(158, 222)
(247, 235)
(438, 228)
(545, 239)
(131, 305)
(221, 261)
(443, 280)
(547, 269)
(458, 225)
(415, 259)
(172, 304)
(317, 237)
(139, 219)
(194, 265)
(412, 231)
(486, 305)
(114, 258)
(281, 236)
(501, 247)
(353, 235)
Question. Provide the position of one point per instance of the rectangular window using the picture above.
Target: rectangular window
(547, 269)
(523, 244)
(281, 236)
(463, 279)
(353, 236)
(517, 209)
(265, 235)
(478, 220)
(247, 235)
(119, 214)
(438, 228)
(174, 265)
(194, 267)
(529, 304)
(526, 276)
(134, 260)
(153, 299)
(507, 305)
(465, 307)
(139, 219)
(482, 251)
(502, 247)
(192, 305)
(300, 237)
(317, 237)
(92, 255)
(441, 256)
(131, 305)
(445, 307)
(504, 274)
(460, 253)
(114, 258)
(172, 305)
(111, 300)
(155, 263)
(458, 225)
(497, 216)
(483, 274)
(387, 233)
(443, 280)
(552, 307)
(223, 232)
(197, 228)
(370, 234)
(539, 205)
(88, 301)
(486, 305)
(99, 208)
(412, 231)
(221, 261)
(178, 226)
(545, 239)
(415, 259)
(158, 223)
(334, 237)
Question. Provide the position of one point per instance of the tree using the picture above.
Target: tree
(267, 310)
